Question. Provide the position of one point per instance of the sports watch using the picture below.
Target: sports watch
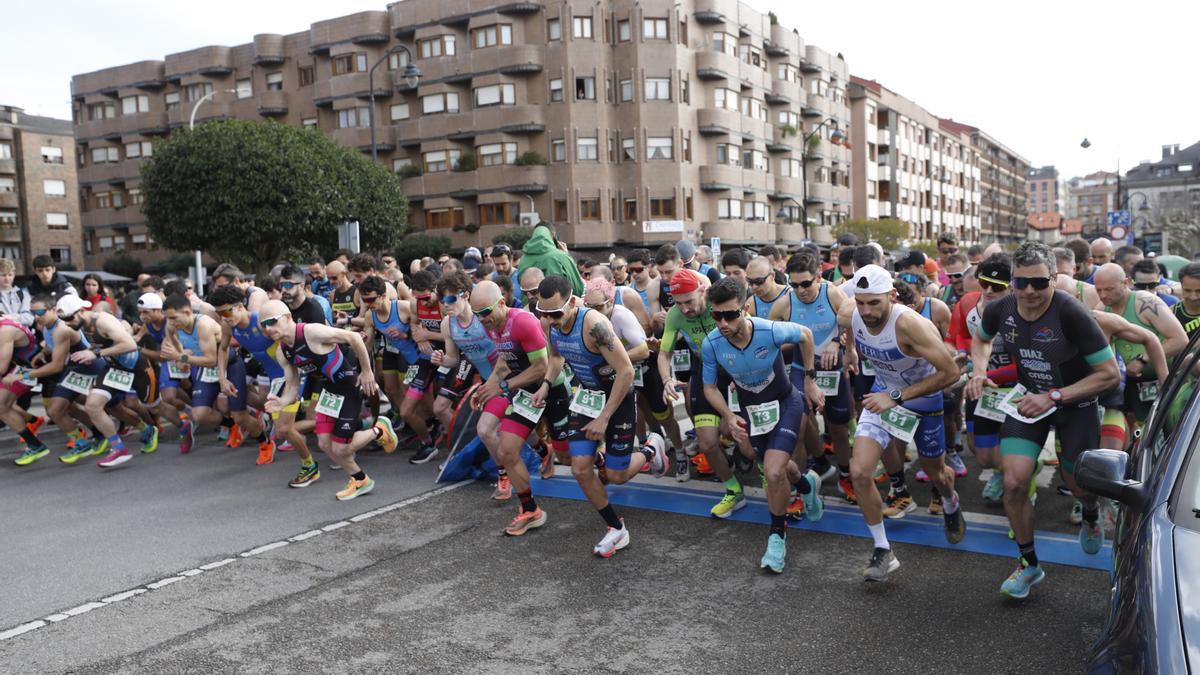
(896, 395)
(1056, 396)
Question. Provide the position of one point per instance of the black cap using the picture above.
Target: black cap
(914, 258)
(998, 267)
(847, 239)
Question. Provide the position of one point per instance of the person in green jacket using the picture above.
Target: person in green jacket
(542, 252)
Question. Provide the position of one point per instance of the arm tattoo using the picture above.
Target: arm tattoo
(1149, 305)
(602, 336)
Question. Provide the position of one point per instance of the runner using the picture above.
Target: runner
(340, 359)
(1187, 311)
(18, 346)
(341, 295)
(422, 375)
(602, 407)
(734, 262)
(912, 367)
(760, 278)
(227, 274)
(770, 408)
(1063, 362)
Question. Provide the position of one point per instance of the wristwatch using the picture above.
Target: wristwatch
(1056, 396)
(183, 358)
(504, 387)
(896, 395)
(812, 374)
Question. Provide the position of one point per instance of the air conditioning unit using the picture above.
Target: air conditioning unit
(530, 219)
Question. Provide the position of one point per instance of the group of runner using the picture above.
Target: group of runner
(811, 372)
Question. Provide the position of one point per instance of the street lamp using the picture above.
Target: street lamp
(784, 214)
(206, 97)
(412, 76)
(836, 138)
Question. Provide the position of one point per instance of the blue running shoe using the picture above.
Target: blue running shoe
(1023, 578)
(814, 508)
(1091, 537)
(776, 550)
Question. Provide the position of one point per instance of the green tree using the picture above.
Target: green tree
(890, 233)
(420, 246)
(124, 265)
(514, 236)
(254, 192)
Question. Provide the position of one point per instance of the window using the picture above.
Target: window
(583, 27)
(755, 210)
(553, 31)
(131, 105)
(195, 92)
(442, 45)
(628, 150)
(725, 42)
(789, 118)
(7, 184)
(494, 154)
(274, 81)
(136, 149)
(662, 208)
(308, 122)
(244, 88)
(789, 168)
(5, 150)
(353, 117)
(118, 199)
(306, 76)
(788, 73)
(52, 155)
(171, 100)
(440, 161)
(560, 210)
(730, 154)
(344, 63)
(658, 89)
(399, 111)
(626, 89)
(755, 108)
(725, 98)
(585, 89)
(558, 150)
(589, 209)
(654, 29)
(585, 150)
(397, 60)
(8, 219)
(135, 196)
(436, 219)
(439, 103)
(60, 254)
(490, 36)
(687, 147)
(659, 147)
(104, 111)
(556, 94)
(56, 221)
(106, 243)
(624, 34)
(138, 241)
(685, 91)
(496, 94)
(103, 201)
(754, 159)
(400, 163)
(102, 155)
(729, 209)
(498, 214)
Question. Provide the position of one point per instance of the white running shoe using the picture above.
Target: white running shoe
(614, 540)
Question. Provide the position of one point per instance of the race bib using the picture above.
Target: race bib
(330, 404)
(276, 386)
(522, 402)
(411, 374)
(639, 376)
(763, 417)
(390, 348)
(464, 370)
(1009, 403)
(866, 367)
(78, 382)
(121, 380)
(178, 371)
(1147, 391)
(210, 375)
(988, 407)
(827, 381)
(734, 404)
(588, 402)
(681, 360)
(901, 423)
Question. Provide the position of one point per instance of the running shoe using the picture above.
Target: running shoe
(223, 434)
(100, 448)
(883, 562)
(921, 476)
(266, 452)
(796, 506)
(283, 446)
(186, 437)
(82, 449)
(658, 461)
(956, 525)
(525, 521)
(149, 439)
(846, 488)
(424, 454)
(547, 470)
(115, 458)
(1091, 537)
(993, 491)
(1023, 578)
(702, 466)
(74, 437)
(614, 540)
(307, 476)
(814, 508)
(503, 491)
(732, 501)
(387, 436)
(898, 505)
(36, 424)
(773, 559)
(935, 506)
(32, 454)
(356, 488)
(682, 473)
(954, 461)
(828, 473)
(235, 437)
(1076, 516)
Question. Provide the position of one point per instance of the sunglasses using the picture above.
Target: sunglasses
(1038, 283)
(948, 251)
(287, 285)
(954, 276)
(501, 251)
(269, 321)
(553, 313)
(726, 314)
(758, 281)
(994, 284)
(226, 312)
(423, 298)
(636, 270)
(450, 299)
(369, 299)
(909, 277)
(38, 312)
(600, 307)
(533, 292)
(1145, 285)
(807, 283)
(387, 261)
(486, 311)
(67, 317)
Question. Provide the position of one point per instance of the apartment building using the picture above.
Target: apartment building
(625, 122)
(39, 207)
(1090, 198)
(1003, 190)
(1047, 191)
(907, 164)
(1170, 189)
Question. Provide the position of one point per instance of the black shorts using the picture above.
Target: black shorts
(392, 361)
(862, 384)
(557, 416)
(423, 378)
(342, 427)
(456, 382)
(785, 435)
(1133, 395)
(144, 385)
(703, 414)
(652, 387)
(618, 437)
(1076, 426)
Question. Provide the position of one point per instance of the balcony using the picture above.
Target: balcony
(8, 167)
(711, 12)
(509, 59)
(509, 119)
(784, 42)
(789, 233)
(711, 65)
(10, 234)
(361, 28)
(444, 125)
(213, 61)
(212, 109)
(783, 142)
(272, 103)
(883, 137)
(819, 193)
(720, 177)
(885, 172)
(788, 186)
(358, 137)
(111, 173)
(519, 8)
(755, 232)
(9, 200)
(112, 218)
(268, 49)
(514, 179)
(712, 121)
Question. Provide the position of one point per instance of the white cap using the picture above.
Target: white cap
(872, 279)
(69, 304)
(150, 301)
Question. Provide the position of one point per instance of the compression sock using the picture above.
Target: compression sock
(803, 486)
(898, 484)
(1091, 513)
(262, 438)
(843, 470)
(950, 504)
(1113, 426)
(361, 475)
(30, 439)
(527, 503)
(879, 535)
(779, 525)
(609, 514)
(227, 422)
(1028, 554)
(733, 485)
(115, 442)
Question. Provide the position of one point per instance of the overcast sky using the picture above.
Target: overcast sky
(1038, 76)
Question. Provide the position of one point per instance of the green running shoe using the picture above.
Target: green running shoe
(83, 448)
(149, 439)
(32, 455)
(732, 501)
(100, 448)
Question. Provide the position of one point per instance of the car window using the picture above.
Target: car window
(1163, 424)
(1187, 509)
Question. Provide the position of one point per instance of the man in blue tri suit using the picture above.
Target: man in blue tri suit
(770, 408)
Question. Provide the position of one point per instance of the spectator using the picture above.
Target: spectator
(14, 301)
(542, 252)
(688, 259)
(47, 281)
(93, 292)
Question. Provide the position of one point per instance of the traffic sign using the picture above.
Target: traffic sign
(1119, 218)
(715, 244)
(1118, 232)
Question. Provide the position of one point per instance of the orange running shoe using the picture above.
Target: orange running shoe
(525, 521)
(235, 437)
(356, 488)
(796, 507)
(36, 424)
(702, 466)
(266, 452)
(847, 489)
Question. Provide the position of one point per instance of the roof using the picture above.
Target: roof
(36, 123)
(956, 127)
(1188, 155)
(1045, 220)
(869, 84)
(1073, 226)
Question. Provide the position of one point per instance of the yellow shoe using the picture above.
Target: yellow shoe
(356, 488)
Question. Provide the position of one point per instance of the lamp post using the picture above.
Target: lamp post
(783, 213)
(412, 76)
(199, 281)
(836, 138)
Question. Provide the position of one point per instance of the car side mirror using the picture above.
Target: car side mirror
(1103, 472)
